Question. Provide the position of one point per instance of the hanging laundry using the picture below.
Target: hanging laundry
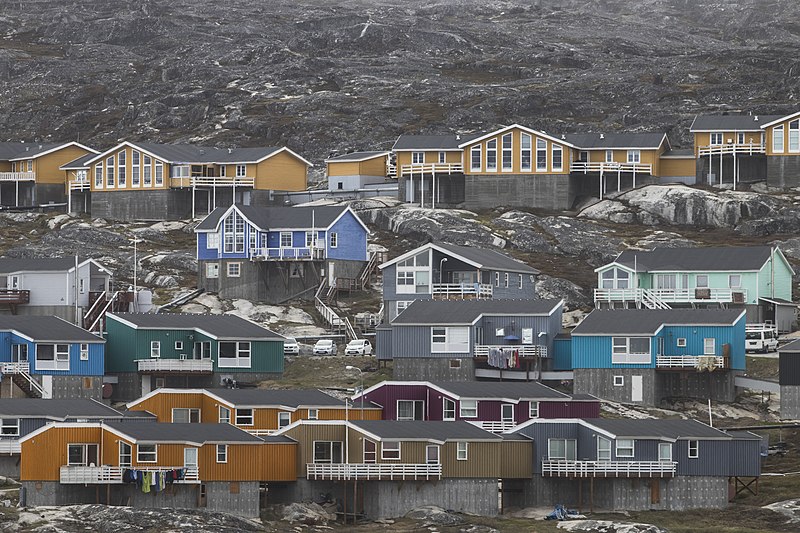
(147, 481)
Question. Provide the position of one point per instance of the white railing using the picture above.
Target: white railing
(647, 296)
(212, 181)
(17, 176)
(341, 471)
(97, 325)
(430, 168)
(10, 446)
(175, 365)
(609, 468)
(525, 350)
(461, 290)
(260, 432)
(495, 426)
(80, 185)
(732, 148)
(391, 170)
(690, 361)
(113, 474)
(287, 254)
(328, 314)
(22, 367)
(585, 167)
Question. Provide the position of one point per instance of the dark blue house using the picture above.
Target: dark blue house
(47, 357)
(645, 355)
(634, 465)
(461, 340)
(273, 254)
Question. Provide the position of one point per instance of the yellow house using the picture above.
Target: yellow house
(357, 170)
(782, 147)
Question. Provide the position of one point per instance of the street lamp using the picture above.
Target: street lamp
(135, 273)
(441, 274)
(361, 377)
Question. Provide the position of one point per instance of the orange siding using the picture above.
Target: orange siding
(352, 414)
(128, 178)
(244, 463)
(279, 462)
(678, 167)
(769, 135)
(44, 455)
(162, 404)
(281, 172)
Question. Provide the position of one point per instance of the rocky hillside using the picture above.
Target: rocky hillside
(353, 74)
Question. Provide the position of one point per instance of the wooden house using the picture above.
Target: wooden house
(642, 356)
(442, 271)
(755, 278)
(357, 170)
(457, 340)
(47, 357)
(149, 351)
(257, 411)
(150, 181)
(789, 380)
(635, 465)
(491, 405)
(274, 254)
(30, 172)
(148, 464)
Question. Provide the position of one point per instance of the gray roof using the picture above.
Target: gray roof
(356, 156)
(615, 140)
(501, 389)
(187, 153)
(276, 218)
(187, 432)
(432, 142)
(710, 259)
(731, 122)
(669, 429)
(56, 409)
(286, 397)
(438, 312)
(648, 321)
(420, 430)
(46, 264)
(488, 259)
(681, 152)
(46, 329)
(17, 150)
(793, 346)
(78, 163)
(219, 326)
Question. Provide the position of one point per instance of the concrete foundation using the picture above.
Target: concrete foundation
(165, 204)
(9, 466)
(77, 387)
(545, 191)
(433, 369)
(132, 385)
(750, 168)
(589, 184)
(790, 402)
(783, 171)
(718, 385)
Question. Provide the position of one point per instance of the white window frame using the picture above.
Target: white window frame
(212, 241)
(634, 156)
(285, 236)
(222, 453)
(241, 171)
(60, 359)
(609, 156)
(734, 281)
(681, 342)
(155, 349)
(189, 411)
(313, 414)
(455, 339)
(242, 418)
(709, 346)
(619, 381)
(777, 139)
(401, 305)
(491, 154)
(331, 445)
(794, 136)
(556, 149)
(224, 414)
(570, 449)
(701, 281)
(519, 285)
(662, 457)
(475, 158)
(136, 165)
(212, 270)
(623, 446)
(284, 419)
(740, 138)
(604, 450)
(178, 345)
(122, 176)
(446, 412)
(126, 457)
(507, 154)
(621, 352)
(147, 171)
(84, 352)
(506, 280)
(413, 409)
(84, 446)
(98, 176)
(715, 139)
(541, 149)
(442, 158)
(693, 449)
(240, 360)
(392, 451)
(334, 239)
(159, 174)
(533, 409)
(462, 450)
(468, 408)
(526, 152)
(233, 270)
(110, 169)
(9, 427)
(417, 158)
(146, 453)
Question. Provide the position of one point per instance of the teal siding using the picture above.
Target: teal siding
(780, 277)
(562, 354)
(595, 352)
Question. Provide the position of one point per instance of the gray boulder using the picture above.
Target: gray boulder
(308, 513)
(573, 295)
(607, 526)
(431, 514)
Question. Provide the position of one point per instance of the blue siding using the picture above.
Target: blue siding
(351, 239)
(94, 366)
(202, 251)
(595, 352)
(562, 354)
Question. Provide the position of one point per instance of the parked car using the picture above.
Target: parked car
(325, 347)
(290, 346)
(358, 347)
(761, 338)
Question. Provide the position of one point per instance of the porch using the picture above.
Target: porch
(211, 181)
(186, 366)
(633, 469)
(732, 148)
(509, 361)
(17, 176)
(14, 296)
(287, 254)
(373, 471)
(495, 426)
(90, 475)
(662, 298)
(417, 169)
(699, 362)
(460, 291)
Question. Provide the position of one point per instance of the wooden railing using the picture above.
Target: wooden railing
(525, 350)
(83, 475)
(341, 471)
(17, 176)
(175, 365)
(14, 296)
(430, 168)
(691, 361)
(212, 181)
(732, 148)
(609, 468)
(585, 167)
(287, 254)
(448, 291)
(22, 369)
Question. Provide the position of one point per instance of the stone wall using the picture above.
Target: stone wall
(545, 191)
(432, 369)
(790, 402)
(168, 204)
(9, 466)
(783, 171)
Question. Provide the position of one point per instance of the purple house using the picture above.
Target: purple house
(491, 405)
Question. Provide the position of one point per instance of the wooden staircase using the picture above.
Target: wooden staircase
(20, 376)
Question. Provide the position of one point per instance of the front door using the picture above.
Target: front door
(432, 455)
(636, 388)
(190, 457)
(507, 413)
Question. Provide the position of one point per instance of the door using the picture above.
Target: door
(507, 413)
(636, 388)
(190, 457)
(432, 455)
(331, 274)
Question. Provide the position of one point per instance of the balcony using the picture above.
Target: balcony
(14, 296)
(186, 366)
(287, 254)
(90, 475)
(211, 181)
(417, 169)
(699, 362)
(80, 185)
(382, 471)
(21, 367)
(525, 350)
(17, 176)
(731, 149)
(495, 426)
(609, 468)
(9, 446)
(661, 298)
(602, 167)
(460, 291)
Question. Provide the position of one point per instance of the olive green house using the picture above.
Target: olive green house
(147, 351)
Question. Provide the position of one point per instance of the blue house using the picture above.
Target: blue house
(646, 355)
(47, 357)
(635, 465)
(460, 340)
(441, 271)
(273, 254)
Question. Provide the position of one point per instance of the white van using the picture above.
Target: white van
(761, 338)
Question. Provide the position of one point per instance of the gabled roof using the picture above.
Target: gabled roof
(520, 127)
(448, 142)
(704, 259)
(599, 141)
(60, 409)
(319, 217)
(17, 151)
(781, 119)
(423, 430)
(650, 321)
(46, 329)
(78, 164)
(183, 432)
(467, 312)
(12, 265)
(670, 429)
(482, 258)
(792, 347)
(729, 123)
(219, 327)
(354, 157)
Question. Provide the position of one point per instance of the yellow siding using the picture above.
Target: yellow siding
(128, 178)
(703, 138)
(305, 436)
(516, 155)
(46, 167)
(371, 167)
(281, 172)
(5, 166)
(343, 169)
(431, 156)
(677, 167)
(162, 404)
(483, 460)
(769, 134)
(43, 456)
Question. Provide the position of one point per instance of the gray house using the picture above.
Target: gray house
(445, 272)
(789, 378)
(460, 340)
(635, 464)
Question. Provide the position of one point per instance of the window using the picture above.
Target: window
(442, 157)
(665, 452)
(146, 453)
(390, 450)
(370, 451)
(715, 139)
(497, 279)
(468, 409)
(603, 449)
(624, 447)
(327, 452)
(98, 175)
(462, 451)
(777, 139)
(475, 158)
(583, 156)
(453, 339)
(634, 156)
(201, 350)
(519, 282)
(694, 449)
(417, 158)
(52, 356)
(30, 165)
(284, 419)
(313, 414)
(615, 278)
(121, 174)
(222, 453)
(234, 354)
(234, 270)
(740, 138)
(212, 241)
(558, 158)
(491, 155)
(212, 270)
(508, 164)
(561, 449)
(630, 350)
(82, 454)
(179, 345)
(681, 342)
(609, 156)
(110, 171)
(9, 427)
(241, 171)
(155, 348)
(794, 136)
(286, 239)
(455, 363)
(160, 383)
(244, 417)
(310, 239)
(334, 239)
(135, 168)
(410, 410)
(19, 353)
(401, 306)
(619, 381)
(525, 152)
(185, 415)
(541, 155)
(224, 415)
(233, 231)
(735, 281)
(159, 173)
(505, 282)
(147, 171)
(533, 409)
(701, 281)
(448, 409)
(125, 454)
(709, 346)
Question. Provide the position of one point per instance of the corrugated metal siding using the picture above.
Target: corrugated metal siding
(789, 368)
(355, 413)
(415, 341)
(516, 459)
(541, 432)
(305, 436)
(383, 343)
(568, 409)
(120, 347)
(27, 425)
(390, 283)
(278, 462)
(562, 354)
(745, 458)
(162, 404)
(388, 395)
(94, 366)
(513, 325)
(266, 356)
(595, 352)
(714, 458)
(43, 455)
(483, 460)
(694, 335)
(244, 463)
(513, 291)
(352, 239)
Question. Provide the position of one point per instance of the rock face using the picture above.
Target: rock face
(607, 526)
(308, 514)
